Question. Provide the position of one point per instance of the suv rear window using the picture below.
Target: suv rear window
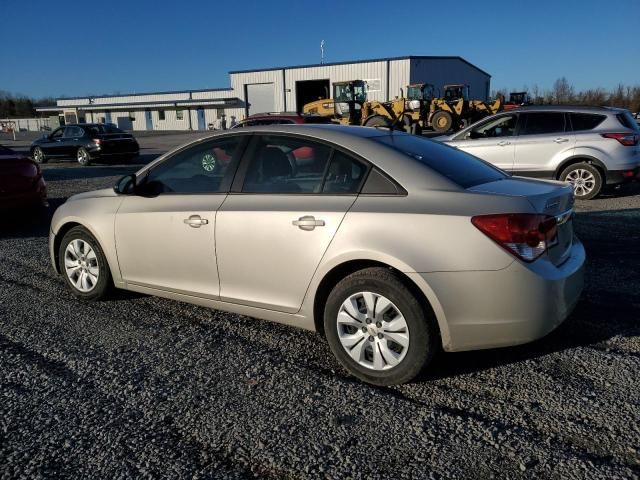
(627, 120)
(459, 167)
(585, 121)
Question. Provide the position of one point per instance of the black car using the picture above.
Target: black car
(85, 142)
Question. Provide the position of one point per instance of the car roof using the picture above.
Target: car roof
(568, 108)
(352, 138)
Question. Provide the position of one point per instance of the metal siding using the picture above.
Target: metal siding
(398, 77)
(239, 80)
(440, 72)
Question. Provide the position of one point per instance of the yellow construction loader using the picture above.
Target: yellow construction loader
(453, 111)
(350, 106)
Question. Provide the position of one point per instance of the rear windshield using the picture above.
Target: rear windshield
(104, 129)
(459, 167)
(627, 120)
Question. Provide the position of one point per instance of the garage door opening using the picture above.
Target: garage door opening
(310, 91)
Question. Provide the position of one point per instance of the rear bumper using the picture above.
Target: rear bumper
(617, 177)
(515, 305)
(35, 197)
(97, 152)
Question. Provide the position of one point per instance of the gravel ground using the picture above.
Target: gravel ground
(144, 387)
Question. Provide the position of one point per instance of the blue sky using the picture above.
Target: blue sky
(98, 47)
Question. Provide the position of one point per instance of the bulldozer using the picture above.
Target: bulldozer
(350, 106)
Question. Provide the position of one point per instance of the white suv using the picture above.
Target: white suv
(588, 146)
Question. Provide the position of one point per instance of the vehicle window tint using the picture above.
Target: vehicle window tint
(72, 132)
(456, 165)
(503, 126)
(541, 123)
(57, 133)
(585, 121)
(286, 165)
(204, 168)
(344, 174)
(112, 129)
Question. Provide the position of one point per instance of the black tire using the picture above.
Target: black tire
(442, 121)
(377, 121)
(420, 321)
(83, 157)
(39, 156)
(590, 187)
(104, 284)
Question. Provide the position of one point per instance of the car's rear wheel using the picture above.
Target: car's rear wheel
(586, 180)
(378, 329)
(84, 265)
(83, 157)
(38, 155)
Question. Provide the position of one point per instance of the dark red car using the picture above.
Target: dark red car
(21, 182)
(283, 118)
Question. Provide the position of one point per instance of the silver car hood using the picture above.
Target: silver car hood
(103, 193)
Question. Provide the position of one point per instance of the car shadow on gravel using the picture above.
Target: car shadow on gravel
(609, 307)
(30, 222)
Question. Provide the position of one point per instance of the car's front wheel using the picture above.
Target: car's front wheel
(38, 155)
(84, 265)
(83, 157)
(586, 180)
(377, 328)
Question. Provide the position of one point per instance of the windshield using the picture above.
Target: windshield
(459, 167)
(104, 129)
(348, 92)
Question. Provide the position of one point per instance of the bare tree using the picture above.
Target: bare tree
(563, 91)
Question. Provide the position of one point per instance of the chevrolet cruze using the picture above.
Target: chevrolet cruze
(390, 245)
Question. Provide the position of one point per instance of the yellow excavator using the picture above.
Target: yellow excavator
(350, 106)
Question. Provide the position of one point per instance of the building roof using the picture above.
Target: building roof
(227, 102)
(167, 92)
(408, 57)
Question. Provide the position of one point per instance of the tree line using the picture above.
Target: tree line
(21, 106)
(563, 92)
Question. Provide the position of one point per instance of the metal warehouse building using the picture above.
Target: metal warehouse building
(276, 89)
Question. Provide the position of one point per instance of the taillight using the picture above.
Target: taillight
(97, 141)
(525, 235)
(626, 139)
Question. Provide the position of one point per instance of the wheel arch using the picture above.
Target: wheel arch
(582, 158)
(62, 230)
(423, 293)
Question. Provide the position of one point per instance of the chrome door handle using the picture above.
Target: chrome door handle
(196, 221)
(308, 222)
(561, 140)
(503, 143)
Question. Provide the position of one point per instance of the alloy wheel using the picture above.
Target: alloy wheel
(83, 156)
(583, 181)
(81, 265)
(38, 156)
(373, 331)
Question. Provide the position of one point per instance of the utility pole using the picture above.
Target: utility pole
(322, 52)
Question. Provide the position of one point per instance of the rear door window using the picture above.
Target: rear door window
(280, 164)
(585, 121)
(541, 123)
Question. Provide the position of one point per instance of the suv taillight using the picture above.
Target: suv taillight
(525, 235)
(97, 141)
(626, 139)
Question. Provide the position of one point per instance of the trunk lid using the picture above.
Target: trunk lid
(117, 142)
(547, 197)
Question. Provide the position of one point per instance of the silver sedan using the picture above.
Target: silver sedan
(390, 245)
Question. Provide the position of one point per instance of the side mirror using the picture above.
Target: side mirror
(473, 134)
(126, 185)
